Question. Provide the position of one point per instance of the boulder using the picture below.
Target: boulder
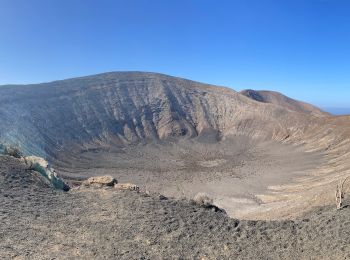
(106, 180)
(127, 186)
(30, 161)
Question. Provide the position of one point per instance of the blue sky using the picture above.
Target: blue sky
(298, 47)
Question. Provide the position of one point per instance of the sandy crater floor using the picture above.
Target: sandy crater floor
(237, 173)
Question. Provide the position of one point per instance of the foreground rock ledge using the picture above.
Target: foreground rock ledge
(39, 222)
(100, 181)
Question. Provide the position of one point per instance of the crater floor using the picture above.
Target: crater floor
(235, 172)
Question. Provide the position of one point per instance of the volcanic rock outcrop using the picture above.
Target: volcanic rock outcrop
(100, 181)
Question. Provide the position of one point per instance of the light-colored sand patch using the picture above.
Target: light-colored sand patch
(211, 163)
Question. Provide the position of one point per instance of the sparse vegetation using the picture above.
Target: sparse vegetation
(340, 193)
(180, 190)
(203, 199)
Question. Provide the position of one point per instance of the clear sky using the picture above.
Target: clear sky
(298, 47)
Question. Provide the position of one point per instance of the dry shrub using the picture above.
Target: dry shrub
(203, 199)
(340, 193)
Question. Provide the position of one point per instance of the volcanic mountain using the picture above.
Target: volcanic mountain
(180, 137)
(130, 107)
(283, 101)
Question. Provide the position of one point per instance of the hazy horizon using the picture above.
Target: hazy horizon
(337, 110)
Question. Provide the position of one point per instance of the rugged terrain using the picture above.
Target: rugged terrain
(123, 108)
(38, 222)
(272, 163)
(175, 136)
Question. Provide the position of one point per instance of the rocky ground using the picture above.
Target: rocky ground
(37, 222)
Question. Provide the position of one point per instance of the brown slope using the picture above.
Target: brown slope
(283, 101)
(129, 107)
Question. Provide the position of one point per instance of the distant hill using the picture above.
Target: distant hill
(283, 101)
